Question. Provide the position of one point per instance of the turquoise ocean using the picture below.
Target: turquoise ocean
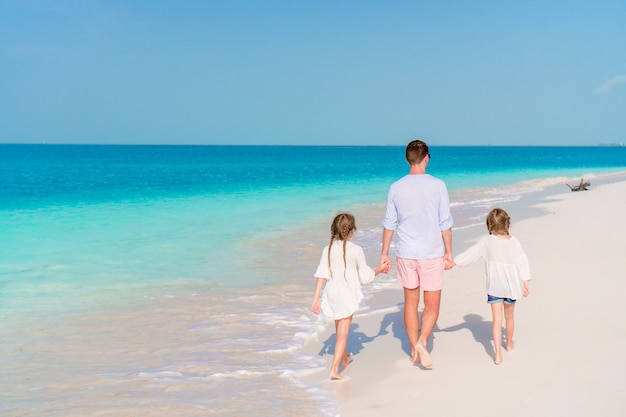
(177, 280)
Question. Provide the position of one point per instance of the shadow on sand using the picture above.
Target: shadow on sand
(356, 342)
(480, 329)
(394, 321)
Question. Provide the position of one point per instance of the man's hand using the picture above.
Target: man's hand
(385, 262)
(448, 265)
(448, 262)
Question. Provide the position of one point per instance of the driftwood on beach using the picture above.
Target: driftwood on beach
(580, 187)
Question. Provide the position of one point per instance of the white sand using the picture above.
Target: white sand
(570, 354)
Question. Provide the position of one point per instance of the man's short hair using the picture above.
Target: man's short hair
(416, 151)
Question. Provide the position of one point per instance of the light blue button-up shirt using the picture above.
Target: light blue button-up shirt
(418, 210)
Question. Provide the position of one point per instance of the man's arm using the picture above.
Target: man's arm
(387, 236)
(447, 242)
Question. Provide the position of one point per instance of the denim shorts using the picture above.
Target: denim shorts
(491, 299)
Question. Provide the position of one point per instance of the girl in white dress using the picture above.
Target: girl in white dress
(343, 269)
(508, 274)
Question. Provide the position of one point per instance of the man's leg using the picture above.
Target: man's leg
(432, 300)
(411, 322)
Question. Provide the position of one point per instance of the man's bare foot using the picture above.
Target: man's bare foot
(510, 345)
(335, 377)
(423, 355)
(347, 360)
(415, 357)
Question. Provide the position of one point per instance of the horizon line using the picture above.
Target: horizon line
(601, 144)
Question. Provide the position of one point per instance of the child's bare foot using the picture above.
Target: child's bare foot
(347, 360)
(422, 354)
(498, 359)
(510, 345)
(335, 377)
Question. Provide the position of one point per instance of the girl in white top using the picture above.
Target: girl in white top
(508, 274)
(343, 269)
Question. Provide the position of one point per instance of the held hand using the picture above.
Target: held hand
(385, 263)
(384, 267)
(315, 307)
(448, 261)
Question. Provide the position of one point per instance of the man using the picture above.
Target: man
(418, 210)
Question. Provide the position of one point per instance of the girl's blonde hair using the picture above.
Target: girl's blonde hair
(340, 229)
(498, 222)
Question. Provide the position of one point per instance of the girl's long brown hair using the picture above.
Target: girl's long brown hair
(340, 229)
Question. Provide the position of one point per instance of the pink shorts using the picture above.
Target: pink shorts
(425, 273)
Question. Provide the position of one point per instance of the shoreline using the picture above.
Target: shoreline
(565, 236)
(214, 345)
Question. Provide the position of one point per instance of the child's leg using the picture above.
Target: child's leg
(342, 328)
(509, 309)
(496, 330)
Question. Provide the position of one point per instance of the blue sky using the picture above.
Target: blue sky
(313, 72)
